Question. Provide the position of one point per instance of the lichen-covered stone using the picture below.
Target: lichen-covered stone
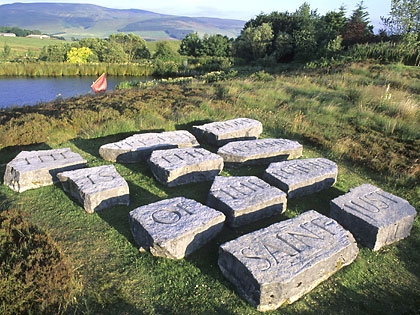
(96, 188)
(34, 169)
(222, 132)
(139, 146)
(375, 217)
(302, 177)
(174, 228)
(279, 264)
(184, 166)
(259, 152)
(245, 199)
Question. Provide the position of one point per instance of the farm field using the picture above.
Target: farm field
(365, 117)
(20, 46)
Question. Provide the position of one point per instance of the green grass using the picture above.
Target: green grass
(20, 46)
(342, 116)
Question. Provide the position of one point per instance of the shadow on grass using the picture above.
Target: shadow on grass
(189, 126)
(117, 217)
(9, 153)
(319, 201)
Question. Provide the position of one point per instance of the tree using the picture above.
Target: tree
(307, 33)
(134, 46)
(190, 45)
(333, 24)
(79, 55)
(54, 53)
(114, 53)
(357, 29)
(403, 19)
(164, 51)
(216, 46)
(254, 42)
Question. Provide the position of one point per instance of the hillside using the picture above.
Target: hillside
(87, 20)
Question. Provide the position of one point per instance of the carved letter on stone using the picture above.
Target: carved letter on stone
(33, 169)
(375, 217)
(174, 228)
(278, 264)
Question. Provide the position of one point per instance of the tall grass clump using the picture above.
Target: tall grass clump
(387, 52)
(54, 69)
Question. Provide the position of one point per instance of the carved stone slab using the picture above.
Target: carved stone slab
(33, 169)
(375, 217)
(96, 188)
(245, 199)
(220, 133)
(302, 177)
(261, 151)
(279, 264)
(183, 166)
(139, 147)
(174, 228)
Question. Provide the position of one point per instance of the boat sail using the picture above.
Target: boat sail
(100, 84)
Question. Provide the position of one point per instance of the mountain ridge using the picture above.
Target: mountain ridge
(75, 20)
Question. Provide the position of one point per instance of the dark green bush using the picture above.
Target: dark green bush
(34, 278)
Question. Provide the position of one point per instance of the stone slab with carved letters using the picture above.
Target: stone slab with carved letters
(302, 177)
(245, 199)
(277, 265)
(174, 228)
(96, 188)
(33, 169)
(184, 166)
(260, 151)
(376, 218)
(139, 146)
(221, 132)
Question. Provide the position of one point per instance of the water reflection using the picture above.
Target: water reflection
(30, 91)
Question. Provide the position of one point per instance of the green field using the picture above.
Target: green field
(365, 117)
(21, 46)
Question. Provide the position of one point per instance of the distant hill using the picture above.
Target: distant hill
(87, 20)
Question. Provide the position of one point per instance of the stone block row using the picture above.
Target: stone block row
(269, 267)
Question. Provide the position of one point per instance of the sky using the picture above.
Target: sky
(234, 9)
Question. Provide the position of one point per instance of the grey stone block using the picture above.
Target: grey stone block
(33, 169)
(245, 199)
(96, 188)
(259, 152)
(277, 265)
(174, 228)
(139, 147)
(220, 133)
(183, 166)
(302, 177)
(375, 217)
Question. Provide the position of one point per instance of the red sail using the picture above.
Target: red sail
(100, 84)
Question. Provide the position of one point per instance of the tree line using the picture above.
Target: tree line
(19, 32)
(302, 36)
(305, 35)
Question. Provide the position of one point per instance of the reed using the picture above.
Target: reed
(55, 69)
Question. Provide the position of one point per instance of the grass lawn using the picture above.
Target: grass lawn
(365, 118)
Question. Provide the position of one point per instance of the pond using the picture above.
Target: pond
(20, 91)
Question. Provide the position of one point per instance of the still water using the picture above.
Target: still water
(31, 91)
